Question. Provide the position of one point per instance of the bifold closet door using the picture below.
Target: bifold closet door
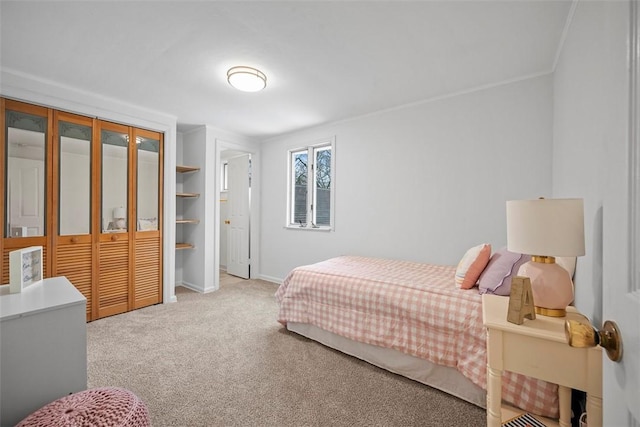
(90, 193)
(25, 181)
(147, 259)
(72, 253)
(112, 214)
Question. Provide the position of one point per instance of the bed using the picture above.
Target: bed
(409, 318)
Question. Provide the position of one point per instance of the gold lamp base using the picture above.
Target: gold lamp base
(551, 312)
(551, 286)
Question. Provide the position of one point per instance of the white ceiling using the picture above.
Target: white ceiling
(324, 60)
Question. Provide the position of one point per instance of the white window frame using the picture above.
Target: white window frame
(224, 179)
(311, 188)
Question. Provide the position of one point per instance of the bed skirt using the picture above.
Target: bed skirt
(446, 379)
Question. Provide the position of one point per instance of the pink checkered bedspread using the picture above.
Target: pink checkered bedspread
(411, 307)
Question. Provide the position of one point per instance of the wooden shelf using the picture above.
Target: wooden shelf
(185, 169)
(187, 221)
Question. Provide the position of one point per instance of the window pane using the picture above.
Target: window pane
(299, 171)
(75, 179)
(225, 176)
(114, 181)
(26, 174)
(148, 182)
(322, 207)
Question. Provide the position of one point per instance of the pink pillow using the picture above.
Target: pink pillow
(471, 265)
(496, 277)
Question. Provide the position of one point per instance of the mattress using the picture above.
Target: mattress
(412, 308)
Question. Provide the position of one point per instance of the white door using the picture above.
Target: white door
(26, 197)
(621, 220)
(239, 197)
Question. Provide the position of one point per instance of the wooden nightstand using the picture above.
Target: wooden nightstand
(538, 348)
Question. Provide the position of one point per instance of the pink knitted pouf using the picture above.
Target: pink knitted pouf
(96, 407)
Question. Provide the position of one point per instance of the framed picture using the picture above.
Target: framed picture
(25, 268)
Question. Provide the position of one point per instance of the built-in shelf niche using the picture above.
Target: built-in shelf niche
(186, 195)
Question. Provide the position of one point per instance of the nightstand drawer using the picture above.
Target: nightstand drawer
(546, 360)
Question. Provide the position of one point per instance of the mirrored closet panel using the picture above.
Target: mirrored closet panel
(90, 193)
(26, 129)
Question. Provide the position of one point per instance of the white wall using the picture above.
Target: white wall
(586, 72)
(422, 183)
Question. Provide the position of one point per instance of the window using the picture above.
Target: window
(225, 177)
(311, 186)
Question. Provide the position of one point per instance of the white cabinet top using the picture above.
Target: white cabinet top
(50, 294)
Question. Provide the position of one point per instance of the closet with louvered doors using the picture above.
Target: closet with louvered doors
(129, 243)
(90, 193)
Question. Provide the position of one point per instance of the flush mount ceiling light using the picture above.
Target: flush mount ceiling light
(246, 79)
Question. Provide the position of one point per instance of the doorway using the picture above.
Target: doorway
(234, 221)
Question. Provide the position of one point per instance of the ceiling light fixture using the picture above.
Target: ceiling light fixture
(246, 79)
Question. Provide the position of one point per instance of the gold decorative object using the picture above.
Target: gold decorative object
(521, 304)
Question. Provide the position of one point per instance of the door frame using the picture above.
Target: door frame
(254, 213)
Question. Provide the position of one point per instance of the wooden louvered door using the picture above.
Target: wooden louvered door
(112, 213)
(147, 244)
(74, 260)
(148, 275)
(113, 275)
(73, 248)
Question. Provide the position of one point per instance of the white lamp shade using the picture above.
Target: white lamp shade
(246, 79)
(546, 227)
(119, 213)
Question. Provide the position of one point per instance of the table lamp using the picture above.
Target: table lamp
(545, 229)
(119, 216)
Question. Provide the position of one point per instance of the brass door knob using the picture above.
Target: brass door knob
(226, 221)
(584, 335)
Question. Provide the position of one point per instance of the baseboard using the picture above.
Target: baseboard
(271, 279)
(198, 289)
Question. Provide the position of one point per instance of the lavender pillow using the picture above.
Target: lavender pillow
(496, 277)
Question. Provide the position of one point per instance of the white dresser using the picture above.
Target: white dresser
(43, 346)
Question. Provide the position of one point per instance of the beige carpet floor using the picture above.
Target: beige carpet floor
(221, 359)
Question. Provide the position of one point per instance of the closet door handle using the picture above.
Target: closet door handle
(114, 237)
(74, 240)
